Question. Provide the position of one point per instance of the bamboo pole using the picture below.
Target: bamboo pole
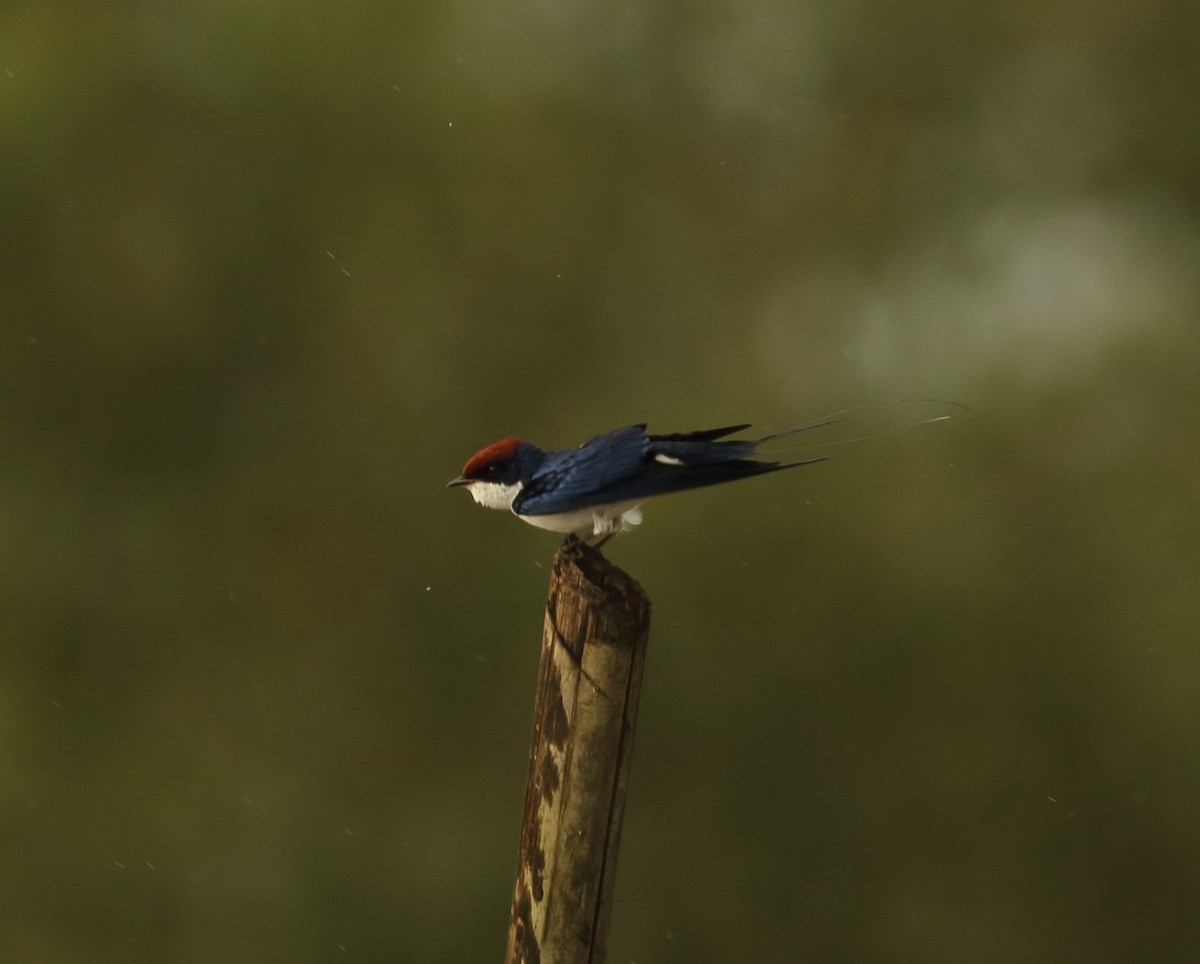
(589, 679)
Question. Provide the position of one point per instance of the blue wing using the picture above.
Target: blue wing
(566, 480)
(628, 465)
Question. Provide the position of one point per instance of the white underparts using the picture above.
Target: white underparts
(601, 520)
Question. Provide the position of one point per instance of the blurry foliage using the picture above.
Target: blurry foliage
(270, 272)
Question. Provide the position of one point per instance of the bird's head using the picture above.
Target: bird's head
(496, 474)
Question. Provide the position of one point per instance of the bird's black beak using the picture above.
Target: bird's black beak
(459, 481)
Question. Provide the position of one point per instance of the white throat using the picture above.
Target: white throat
(493, 495)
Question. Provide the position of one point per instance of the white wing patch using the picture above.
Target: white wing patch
(666, 460)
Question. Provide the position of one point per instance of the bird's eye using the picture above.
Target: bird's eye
(492, 471)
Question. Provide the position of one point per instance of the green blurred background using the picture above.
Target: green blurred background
(271, 271)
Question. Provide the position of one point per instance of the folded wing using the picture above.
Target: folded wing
(628, 466)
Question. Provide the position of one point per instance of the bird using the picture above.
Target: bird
(597, 489)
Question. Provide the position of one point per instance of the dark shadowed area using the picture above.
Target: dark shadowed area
(271, 272)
